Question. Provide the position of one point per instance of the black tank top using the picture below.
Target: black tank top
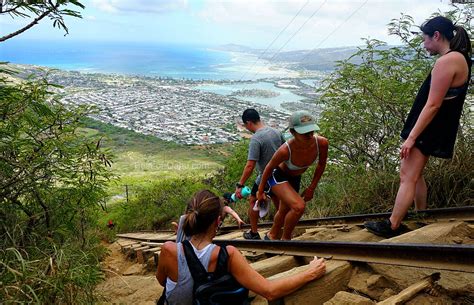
(438, 138)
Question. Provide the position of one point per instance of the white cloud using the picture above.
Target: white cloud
(268, 17)
(140, 6)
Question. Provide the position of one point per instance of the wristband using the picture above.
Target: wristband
(239, 185)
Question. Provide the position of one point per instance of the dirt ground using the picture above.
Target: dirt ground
(127, 282)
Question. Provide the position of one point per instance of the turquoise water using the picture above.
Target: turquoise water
(313, 82)
(175, 61)
(284, 94)
(163, 60)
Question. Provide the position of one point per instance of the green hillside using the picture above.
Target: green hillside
(140, 160)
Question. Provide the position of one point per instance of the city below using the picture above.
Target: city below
(171, 109)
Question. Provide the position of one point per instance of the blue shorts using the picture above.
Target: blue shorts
(279, 176)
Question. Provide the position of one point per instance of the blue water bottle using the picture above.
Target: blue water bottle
(245, 192)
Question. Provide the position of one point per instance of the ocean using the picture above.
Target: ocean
(165, 60)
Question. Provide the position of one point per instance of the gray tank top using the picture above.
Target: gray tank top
(182, 294)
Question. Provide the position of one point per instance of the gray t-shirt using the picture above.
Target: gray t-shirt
(263, 144)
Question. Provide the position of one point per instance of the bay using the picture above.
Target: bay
(179, 61)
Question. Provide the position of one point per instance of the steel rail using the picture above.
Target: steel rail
(465, 213)
(434, 256)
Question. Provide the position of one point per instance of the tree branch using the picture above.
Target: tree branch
(7, 11)
(45, 209)
(31, 24)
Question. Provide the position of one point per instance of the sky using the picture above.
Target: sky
(289, 24)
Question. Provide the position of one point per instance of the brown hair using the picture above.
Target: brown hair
(457, 42)
(202, 210)
(461, 41)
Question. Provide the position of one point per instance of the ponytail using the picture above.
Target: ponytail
(202, 210)
(461, 41)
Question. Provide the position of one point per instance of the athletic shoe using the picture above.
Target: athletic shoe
(383, 228)
(251, 235)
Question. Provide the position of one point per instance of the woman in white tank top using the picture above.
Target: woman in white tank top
(201, 223)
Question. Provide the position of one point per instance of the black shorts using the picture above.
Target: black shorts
(279, 176)
(266, 190)
(431, 149)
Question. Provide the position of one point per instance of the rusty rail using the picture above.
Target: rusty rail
(465, 213)
(436, 256)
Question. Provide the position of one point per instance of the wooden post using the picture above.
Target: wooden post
(126, 191)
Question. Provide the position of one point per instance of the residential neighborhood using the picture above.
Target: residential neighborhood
(169, 109)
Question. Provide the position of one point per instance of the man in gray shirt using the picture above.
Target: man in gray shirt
(263, 144)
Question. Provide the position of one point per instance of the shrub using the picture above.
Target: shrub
(51, 179)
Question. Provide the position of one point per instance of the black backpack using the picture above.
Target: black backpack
(214, 288)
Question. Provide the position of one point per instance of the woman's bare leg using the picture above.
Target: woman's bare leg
(410, 172)
(291, 209)
(421, 194)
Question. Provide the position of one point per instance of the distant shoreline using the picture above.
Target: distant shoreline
(198, 63)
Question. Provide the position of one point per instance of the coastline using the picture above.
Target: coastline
(170, 109)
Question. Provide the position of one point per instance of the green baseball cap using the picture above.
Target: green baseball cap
(303, 122)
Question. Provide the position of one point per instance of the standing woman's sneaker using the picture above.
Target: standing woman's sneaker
(251, 235)
(383, 228)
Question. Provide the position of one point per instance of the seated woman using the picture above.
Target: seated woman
(283, 173)
(201, 223)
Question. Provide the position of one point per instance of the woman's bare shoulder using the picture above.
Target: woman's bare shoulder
(450, 58)
(231, 250)
(322, 140)
(168, 248)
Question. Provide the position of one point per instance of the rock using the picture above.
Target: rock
(454, 282)
(372, 285)
(386, 294)
(347, 298)
(438, 233)
(424, 298)
(345, 233)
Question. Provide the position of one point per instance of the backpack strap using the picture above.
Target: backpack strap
(221, 267)
(198, 272)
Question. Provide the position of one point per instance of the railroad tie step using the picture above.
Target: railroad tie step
(231, 235)
(276, 264)
(126, 249)
(156, 257)
(139, 254)
(316, 292)
(144, 254)
(125, 242)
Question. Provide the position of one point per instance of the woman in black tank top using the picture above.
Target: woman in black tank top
(432, 124)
